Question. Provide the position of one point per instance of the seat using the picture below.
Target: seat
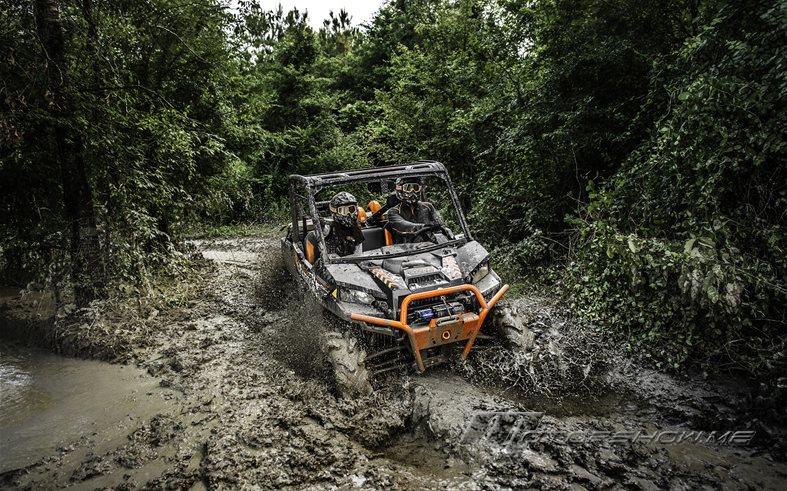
(373, 238)
(310, 249)
(374, 207)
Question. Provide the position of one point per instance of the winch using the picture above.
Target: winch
(438, 311)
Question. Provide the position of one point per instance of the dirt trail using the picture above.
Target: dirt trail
(254, 407)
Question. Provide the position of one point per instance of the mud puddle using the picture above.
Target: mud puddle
(47, 402)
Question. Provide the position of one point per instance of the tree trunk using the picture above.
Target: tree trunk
(69, 146)
(105, 177)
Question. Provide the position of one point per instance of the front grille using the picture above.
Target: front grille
(424, 281)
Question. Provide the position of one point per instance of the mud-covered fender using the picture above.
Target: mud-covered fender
(352, 276)
(470, 256)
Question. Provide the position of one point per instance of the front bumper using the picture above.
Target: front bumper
(451, 329)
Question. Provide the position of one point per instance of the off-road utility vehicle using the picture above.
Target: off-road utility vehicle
(394, 302)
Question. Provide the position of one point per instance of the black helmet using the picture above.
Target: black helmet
(408, 189)
(344, 209)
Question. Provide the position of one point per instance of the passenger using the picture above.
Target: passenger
(343, 236)
(411, 218)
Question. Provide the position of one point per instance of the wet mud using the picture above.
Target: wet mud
(47, 400)
(237, 394)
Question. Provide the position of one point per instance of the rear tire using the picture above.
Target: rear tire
(347, 358)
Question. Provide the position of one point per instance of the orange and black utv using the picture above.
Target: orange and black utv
(394, 302)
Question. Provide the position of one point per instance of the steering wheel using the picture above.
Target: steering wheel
(427, 233)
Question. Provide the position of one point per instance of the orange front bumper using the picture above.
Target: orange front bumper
(460, 327)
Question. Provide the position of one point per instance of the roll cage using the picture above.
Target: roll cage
(305, 188)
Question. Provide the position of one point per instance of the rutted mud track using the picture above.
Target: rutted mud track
(255, 407)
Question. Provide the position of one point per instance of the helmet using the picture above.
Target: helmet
(344, 208)
(408, 189)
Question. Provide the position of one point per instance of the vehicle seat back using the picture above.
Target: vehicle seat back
(310, 250)
(373, 238)
(374, 206)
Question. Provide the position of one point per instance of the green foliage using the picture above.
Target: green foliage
(152, 89)
(683, 252)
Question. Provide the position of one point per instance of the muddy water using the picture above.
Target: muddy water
(48, 402)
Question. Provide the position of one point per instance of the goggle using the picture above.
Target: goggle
(411, 187)
(345, 210)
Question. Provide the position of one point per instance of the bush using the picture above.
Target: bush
(683, 253)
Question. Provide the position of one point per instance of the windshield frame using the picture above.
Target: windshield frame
(312, 191)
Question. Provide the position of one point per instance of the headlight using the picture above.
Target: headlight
(355, 296)
(480, 273)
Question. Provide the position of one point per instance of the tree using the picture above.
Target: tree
(79, 213)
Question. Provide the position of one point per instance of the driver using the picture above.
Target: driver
(412, 216)
(343, 236)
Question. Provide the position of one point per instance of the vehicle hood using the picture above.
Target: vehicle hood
(414, 272)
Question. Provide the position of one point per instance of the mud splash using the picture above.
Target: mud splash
(251, 407)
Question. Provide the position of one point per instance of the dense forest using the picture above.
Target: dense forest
(628, 153)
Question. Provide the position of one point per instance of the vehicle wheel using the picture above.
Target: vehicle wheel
(512, 327)
(347, 358)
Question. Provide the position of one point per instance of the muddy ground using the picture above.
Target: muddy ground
(250, 404)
